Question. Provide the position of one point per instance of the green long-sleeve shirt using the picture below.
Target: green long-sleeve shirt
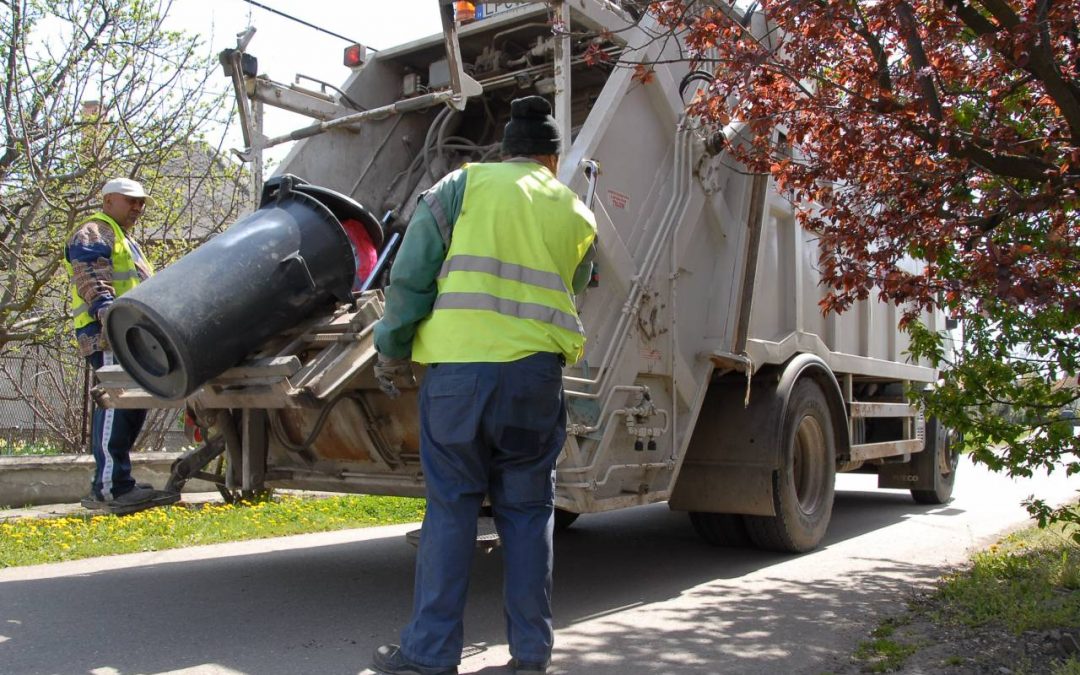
(411, 294)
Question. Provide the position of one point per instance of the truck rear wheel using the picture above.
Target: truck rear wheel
(720, 529)
(803, 487)
(929, 462)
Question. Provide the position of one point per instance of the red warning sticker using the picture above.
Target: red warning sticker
(618, 200)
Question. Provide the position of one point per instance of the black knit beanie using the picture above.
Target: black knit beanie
(531, 129)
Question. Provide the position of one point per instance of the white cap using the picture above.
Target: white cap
(126, 187)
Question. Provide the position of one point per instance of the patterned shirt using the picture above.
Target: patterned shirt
(90, 251)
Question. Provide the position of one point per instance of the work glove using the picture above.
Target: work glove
(392, 373)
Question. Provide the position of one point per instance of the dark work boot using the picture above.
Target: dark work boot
(527, 668)
(138, 498)
(389, 659)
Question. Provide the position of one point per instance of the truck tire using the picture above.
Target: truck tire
(721, 529)
(926, 463)
(804, 486)
(564, 519)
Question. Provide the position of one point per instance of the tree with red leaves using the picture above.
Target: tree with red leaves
(946, 131)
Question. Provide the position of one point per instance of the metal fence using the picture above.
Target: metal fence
(45, 405)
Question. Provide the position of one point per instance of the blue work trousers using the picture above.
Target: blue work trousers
(112, 435)
(487, 429)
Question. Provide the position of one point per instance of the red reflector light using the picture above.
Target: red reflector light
(464, 11)
(354, 55)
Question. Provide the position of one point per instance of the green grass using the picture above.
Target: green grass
(882, 654)
(1070, 667)
(1025, 582)
(32, 541)
(1028, 581)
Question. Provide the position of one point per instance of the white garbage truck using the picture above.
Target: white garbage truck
(711, 379)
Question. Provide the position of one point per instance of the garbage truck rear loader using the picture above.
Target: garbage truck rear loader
(711, 379)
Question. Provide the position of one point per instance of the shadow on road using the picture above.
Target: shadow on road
(724, 622)
(635, 591)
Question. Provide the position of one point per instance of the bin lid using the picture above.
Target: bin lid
(345, 208)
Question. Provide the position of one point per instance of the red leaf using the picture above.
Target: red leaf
(644, 74)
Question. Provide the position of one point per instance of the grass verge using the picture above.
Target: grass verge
(32, 541)
(1014, 608)
(882, 653)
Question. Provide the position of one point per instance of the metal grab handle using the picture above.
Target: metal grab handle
(380, 264)
(592, 171)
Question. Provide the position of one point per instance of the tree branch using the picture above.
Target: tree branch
(971, 17)
(1002, 11)
(919, 62)
(1041, 64)
(881, 58)
(1065, 93)
(10, 152)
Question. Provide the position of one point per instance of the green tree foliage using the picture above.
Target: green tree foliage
(945, 131)
(92, 90)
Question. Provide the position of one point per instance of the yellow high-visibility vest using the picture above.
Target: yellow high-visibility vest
(504, 291)
(125, 273)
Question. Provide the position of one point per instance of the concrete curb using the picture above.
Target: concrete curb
(65, 479)
(67, 510)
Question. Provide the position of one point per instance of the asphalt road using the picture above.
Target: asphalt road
(635, 592)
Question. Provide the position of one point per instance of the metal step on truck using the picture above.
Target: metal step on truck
(711, 380)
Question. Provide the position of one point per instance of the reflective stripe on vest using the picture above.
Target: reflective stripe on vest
(503, 290)
(437, 212)
(503, 270)
(125, 274)
(520, 310)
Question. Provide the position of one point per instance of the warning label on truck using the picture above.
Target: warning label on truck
(618, 200)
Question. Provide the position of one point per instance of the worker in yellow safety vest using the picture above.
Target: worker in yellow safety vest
(103, 264)
(482, 291)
